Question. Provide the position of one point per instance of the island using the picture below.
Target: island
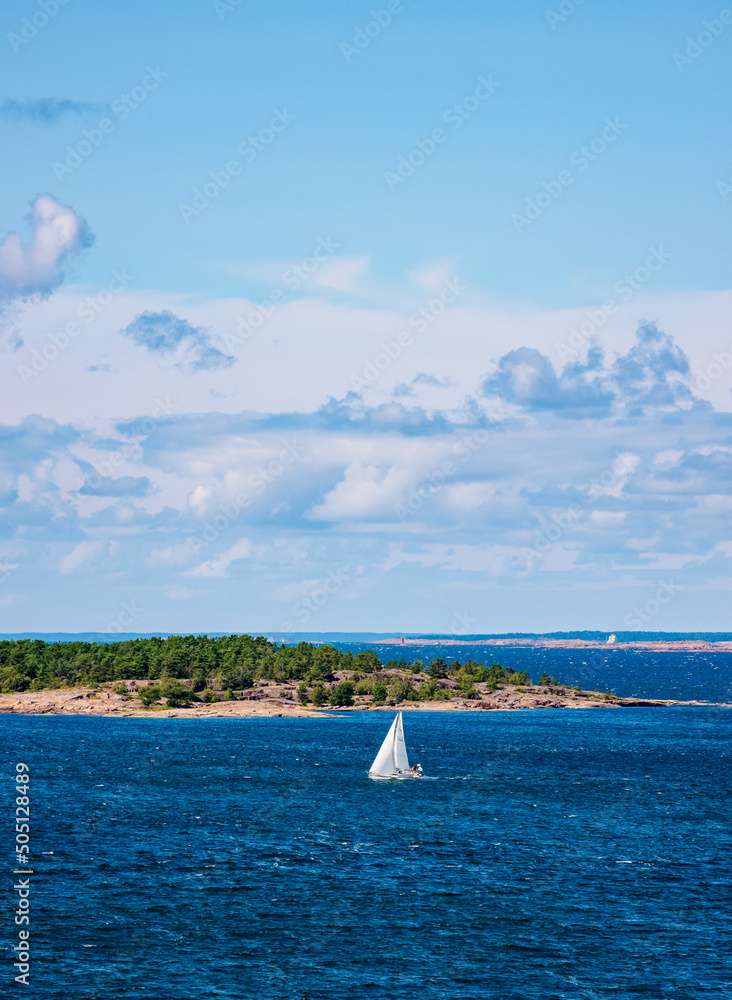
(243, 675)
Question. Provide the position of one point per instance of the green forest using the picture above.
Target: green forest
(202, 668)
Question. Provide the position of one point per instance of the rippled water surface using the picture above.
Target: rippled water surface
(550, 854)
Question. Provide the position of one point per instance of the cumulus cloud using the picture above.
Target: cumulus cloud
(189, 346)
(219, 566)
(526, 378)
(36, 266)
(366, 491)
(521, 498)
(655, 373)
(46, 110)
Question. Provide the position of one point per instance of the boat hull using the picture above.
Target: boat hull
(394, 777)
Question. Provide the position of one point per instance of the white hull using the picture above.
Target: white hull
(393, 777)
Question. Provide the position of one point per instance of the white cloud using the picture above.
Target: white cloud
(341, 274)
(612, 483)
(308, 335)
(35, 266)
(199, 499)
(84, 553)
(7, 567)
(469, 496)
(608, 518)
(175, 555)
(219, 565)
(365, 491)
(434, 276)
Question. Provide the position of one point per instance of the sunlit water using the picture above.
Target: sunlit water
(550, 854)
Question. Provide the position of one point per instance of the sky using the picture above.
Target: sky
(387, 317)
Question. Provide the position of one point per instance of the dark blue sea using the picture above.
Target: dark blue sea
(548, 854)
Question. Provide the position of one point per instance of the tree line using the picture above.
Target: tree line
(234, 663)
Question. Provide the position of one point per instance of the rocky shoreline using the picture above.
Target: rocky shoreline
(271, 701)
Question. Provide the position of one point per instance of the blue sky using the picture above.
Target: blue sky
(387, 317)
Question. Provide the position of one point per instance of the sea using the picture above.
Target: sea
(546, 855)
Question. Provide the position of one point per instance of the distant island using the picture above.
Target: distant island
(198, 675)
(567, 642)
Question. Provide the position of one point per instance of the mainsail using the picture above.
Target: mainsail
(400, 747)
(392, 755)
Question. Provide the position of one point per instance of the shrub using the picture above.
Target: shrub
(547, 680)
(518, 677)
(378, 694)
(426, 691)
(400, 690)
(208, 695)
(121, 689)
(149, 695)
(177, 695)
(342, 694)
(318, 695)
(302, 693)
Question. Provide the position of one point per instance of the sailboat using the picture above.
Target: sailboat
(391, 761)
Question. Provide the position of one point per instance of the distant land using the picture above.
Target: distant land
(589, 639)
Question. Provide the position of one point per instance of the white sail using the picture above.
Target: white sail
(383, 765)
(401, 761)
